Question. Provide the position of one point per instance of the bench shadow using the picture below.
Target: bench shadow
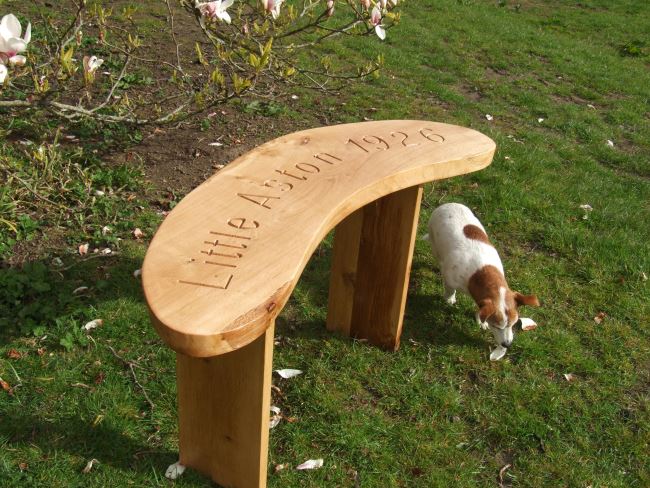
(428, 319)
(103, 442)
(42, 302)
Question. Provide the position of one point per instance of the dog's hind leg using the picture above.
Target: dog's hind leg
(450, 294)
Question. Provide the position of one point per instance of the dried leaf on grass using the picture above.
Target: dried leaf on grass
(502, 472)
(89, 466)
(6, 387)
(288, 373)
(310, 464)
(14, 354)
(80, 289)
(280, 467)
(600, 316)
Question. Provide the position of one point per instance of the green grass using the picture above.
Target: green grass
(436, 413)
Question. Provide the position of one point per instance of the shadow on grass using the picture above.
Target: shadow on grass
(429, 319)
(39, 296)
(104, 442)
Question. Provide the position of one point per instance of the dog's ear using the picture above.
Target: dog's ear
(486, 310)
(530, 300)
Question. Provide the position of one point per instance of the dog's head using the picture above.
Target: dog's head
(502, 313)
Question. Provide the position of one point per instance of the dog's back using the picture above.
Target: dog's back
(460, 243)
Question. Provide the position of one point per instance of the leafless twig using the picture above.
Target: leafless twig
(132, 365)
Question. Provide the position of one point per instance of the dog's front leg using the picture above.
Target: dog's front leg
(484, 325)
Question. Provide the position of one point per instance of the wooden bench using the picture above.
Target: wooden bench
(226, 259)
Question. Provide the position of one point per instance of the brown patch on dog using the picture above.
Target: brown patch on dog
(476, 233)
(484, 287)
(484, 284)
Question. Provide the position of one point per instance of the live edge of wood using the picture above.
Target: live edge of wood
(224, 262)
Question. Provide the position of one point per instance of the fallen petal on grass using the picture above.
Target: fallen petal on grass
(489, 117)
(93, 324)
(610, 143)
(137, 273)
(528, 324)
(280, 467)
(570, 377)
(137, 233)
(600, 317)
(288, 373)
(83, 249)
(311, 464)
(174, 471)
(216, 144)
(80, 289)
(89, 466)
(498, 353)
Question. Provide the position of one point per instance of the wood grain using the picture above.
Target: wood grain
(343, 274)
(226, 259)
(223, 409)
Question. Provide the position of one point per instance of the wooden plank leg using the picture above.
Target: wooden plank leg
(223, 410)
(371, 262)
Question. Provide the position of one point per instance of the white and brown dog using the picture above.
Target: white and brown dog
(470, 263)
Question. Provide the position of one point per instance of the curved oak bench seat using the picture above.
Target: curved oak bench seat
(225, 260)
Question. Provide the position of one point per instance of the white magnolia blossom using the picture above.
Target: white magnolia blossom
(272, 6)
(216, 9)
(366, 4)
(3, 73)
(375, 19)
(330, 8)
(91, 63)
(11, 42)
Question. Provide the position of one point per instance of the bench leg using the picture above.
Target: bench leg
(371, 262)
(223, 410)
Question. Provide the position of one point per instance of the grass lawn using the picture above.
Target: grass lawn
(560, 80)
